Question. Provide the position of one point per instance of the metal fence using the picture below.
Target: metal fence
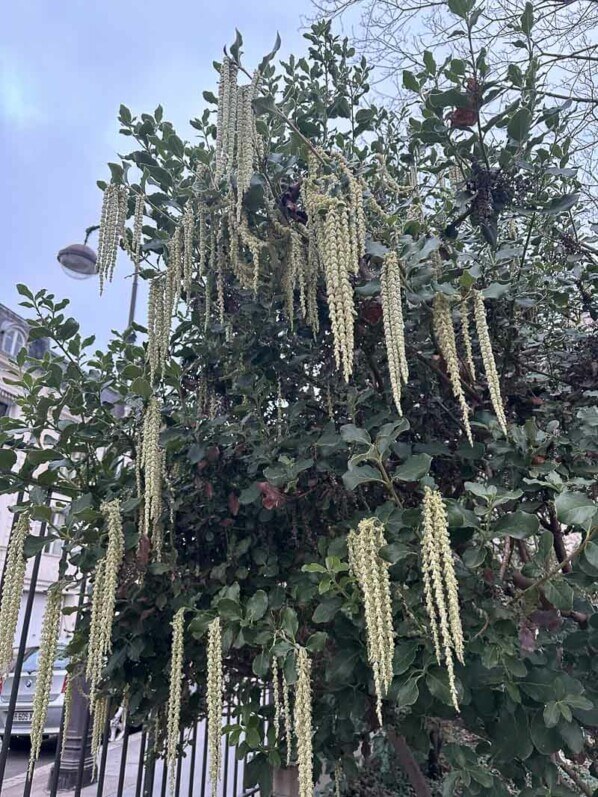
(126, 767)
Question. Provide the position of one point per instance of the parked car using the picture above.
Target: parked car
(23, 714)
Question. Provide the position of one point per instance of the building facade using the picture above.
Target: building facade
(14, 335)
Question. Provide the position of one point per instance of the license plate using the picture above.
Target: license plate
(23, 716)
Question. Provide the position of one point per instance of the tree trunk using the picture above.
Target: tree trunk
(285, 782)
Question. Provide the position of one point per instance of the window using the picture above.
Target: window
(31, 661)
(54, 547)
(4, 409)
(13, 340)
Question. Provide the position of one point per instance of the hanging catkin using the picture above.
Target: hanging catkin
(134, 247)
(99, 709)
(103, 600)
(445, 336)
(152, 463)
(394, 330)
(278, 710)
(112, 227)
(303, 724)
(371, 572)
(288, 719)
(440, 586)
(246, 141)
(188, 226)
(174, 695)
(226, 118)
(464, 313)
(46, 658)
(488, 359)
(214, 701)
(12, 590)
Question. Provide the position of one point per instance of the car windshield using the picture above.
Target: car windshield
(31, 661)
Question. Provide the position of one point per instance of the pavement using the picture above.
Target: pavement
(14, 786)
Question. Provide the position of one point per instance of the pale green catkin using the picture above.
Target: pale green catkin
(12, 590)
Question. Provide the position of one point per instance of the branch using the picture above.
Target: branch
(409, 764)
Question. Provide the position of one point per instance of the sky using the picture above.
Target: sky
(65, 67)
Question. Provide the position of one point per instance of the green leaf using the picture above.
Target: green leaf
(560, 204)
(461, 7)
(257, 605)
(235, 48)
(552, 714)
(572, 735)
(8, 457)
(519, 124)
(326, 610)
(289, 621)
(23, 290)
(575, 509)
(404, 655)
(353, 434)
(37, 456)
(527, 19)
(410, 81)
(141, 387)
(429, 62)
(316, 642)
(559, 593)
(33, 545)
(518, 525)
(408, 693)
(360, 475)
(414, 468)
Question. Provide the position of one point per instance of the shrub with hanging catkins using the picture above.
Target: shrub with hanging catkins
(46, 657)
(488, 359)
(394, 330)
(12, 589)
(152, 464)
(303, 724)
(214, 700)
(445, 336)
(371, 572)
(112, 228)
(174, 694)
(103, 600)
(441, 591)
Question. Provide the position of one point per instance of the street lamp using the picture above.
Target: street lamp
(80, 262)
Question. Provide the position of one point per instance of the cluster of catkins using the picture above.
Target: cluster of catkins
(103, 602)
(447, 343)
(301, 721)
(333, 199)
(282, 708)
(371, 572)
(441, 591)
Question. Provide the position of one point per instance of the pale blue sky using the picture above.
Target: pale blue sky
(65, 67)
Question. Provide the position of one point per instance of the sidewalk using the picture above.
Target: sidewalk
(14, 787)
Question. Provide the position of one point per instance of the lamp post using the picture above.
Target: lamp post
(79, 261)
